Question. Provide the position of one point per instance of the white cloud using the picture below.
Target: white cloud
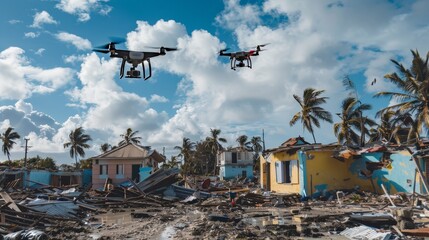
(74, 58)
(42, 18)
(109, 107)
(31, 34)
(82, 8)
(157, 98)
(163, 33)
(20, 79)
(14, 21)
(78, 42)
(22, 106)
(235, 15)
(39, 51)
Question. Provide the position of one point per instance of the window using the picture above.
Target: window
(120, 169)
(104, 169)
(239, 156)
(287, 171)
(234, 157)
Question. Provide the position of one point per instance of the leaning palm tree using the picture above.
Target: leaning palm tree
(242, 142)
(352, 122)
(413, 91)
(8, 138)
(78, 141)
(129, 136)
(311, 111)
(394, 127)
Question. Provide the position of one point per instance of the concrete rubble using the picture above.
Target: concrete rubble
(166, 206)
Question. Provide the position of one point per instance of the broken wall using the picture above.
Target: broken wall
(398, 172)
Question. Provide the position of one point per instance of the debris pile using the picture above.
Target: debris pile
(166, 206)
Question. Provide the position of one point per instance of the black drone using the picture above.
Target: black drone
(132, 57)
(242, 56)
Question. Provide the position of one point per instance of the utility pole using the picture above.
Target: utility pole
(263, 140)
(26, 150)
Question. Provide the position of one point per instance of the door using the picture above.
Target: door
(234, 157)
(268, 174)
(135, 176)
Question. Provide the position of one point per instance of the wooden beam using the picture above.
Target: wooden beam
(8, 199)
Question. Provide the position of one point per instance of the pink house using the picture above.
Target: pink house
(123, 163)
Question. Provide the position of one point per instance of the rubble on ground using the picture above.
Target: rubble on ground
(167, 206)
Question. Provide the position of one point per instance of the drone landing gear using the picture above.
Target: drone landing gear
(241, 63)
(150, 70)
(133, 73)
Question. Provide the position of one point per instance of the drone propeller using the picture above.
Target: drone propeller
(113, 40)
(165, 48)
(223, 50)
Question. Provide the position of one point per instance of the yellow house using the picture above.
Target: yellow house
(315, 169)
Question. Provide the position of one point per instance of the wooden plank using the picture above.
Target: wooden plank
(137, 187)
(387, 195)
(419, 232)
(82, 193)
(8, 199)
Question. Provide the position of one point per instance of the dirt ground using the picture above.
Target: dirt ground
(190, 221)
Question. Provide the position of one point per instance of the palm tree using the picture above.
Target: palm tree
(77, 143)
(8, 138)
(413, 94)
(186, 149)
(255, 142)
(243, 143)
(129, 136)
(105, 147)
(311, 111)
(257, 148)
(173, 163)
(352, 122)
(213, 142)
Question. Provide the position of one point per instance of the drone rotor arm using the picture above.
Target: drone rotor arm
(101, 50)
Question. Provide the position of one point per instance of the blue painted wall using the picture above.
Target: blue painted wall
(87, 177)
(231, 171)
(398, 178)
(302, 160)
(145, 172)
(40, 176)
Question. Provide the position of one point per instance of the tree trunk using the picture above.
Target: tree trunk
(314, 138)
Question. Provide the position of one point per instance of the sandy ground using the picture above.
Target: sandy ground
(153, 223)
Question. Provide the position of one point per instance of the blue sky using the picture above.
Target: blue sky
(52, 82)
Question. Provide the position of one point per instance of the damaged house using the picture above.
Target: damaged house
(125, 162)
(315, 170)
(235, 162)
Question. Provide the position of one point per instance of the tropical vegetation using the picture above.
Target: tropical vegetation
(78, 142)
(311, 112)
(8, 138)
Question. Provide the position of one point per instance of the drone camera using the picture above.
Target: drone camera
(240, 64)
(133, 73)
